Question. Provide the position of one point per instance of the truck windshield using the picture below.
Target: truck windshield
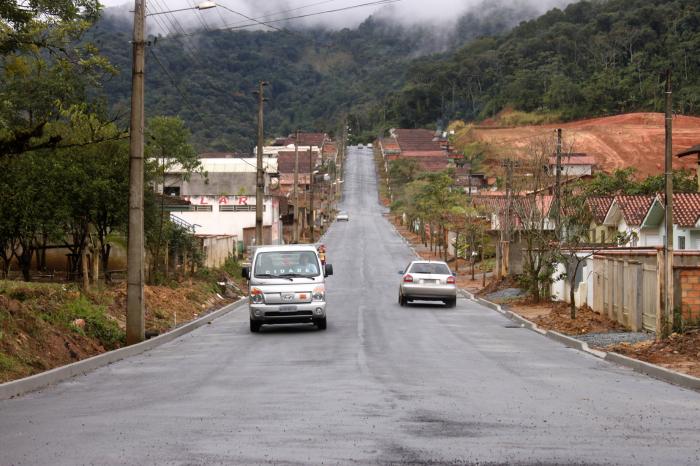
(286, 264)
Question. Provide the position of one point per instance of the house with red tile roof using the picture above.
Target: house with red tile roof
(419, 144)
(686, 222)
(626, 215)
(599, 207)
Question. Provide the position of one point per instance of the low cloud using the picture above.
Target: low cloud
(439, 13)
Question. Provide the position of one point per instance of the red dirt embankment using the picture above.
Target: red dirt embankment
(629, 140)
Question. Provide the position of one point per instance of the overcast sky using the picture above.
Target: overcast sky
(404, 11)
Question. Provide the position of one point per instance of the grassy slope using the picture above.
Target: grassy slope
(40, 327)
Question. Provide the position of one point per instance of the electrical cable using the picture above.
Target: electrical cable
(174, 84)
(308, 15)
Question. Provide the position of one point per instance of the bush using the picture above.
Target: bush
(97, 323)
(232, 267)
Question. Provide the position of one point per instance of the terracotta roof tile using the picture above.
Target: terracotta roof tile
(634, 208)
(417, 140)
(285, 161)
(599, 206)
(686, 208)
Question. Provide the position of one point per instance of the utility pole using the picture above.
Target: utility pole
(505, 232)
(664, 325)
(135, 329)
(295, 233)
(311, 197)
(260, 178)
(557, 187)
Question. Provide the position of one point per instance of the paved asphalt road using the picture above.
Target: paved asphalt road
(384, 384)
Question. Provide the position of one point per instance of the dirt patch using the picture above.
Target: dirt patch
(556, 316)
(679, 352)
(614, 141)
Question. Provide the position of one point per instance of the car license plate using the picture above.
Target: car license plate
(430, 282)
(287, 308)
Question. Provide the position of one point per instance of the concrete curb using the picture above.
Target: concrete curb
(652, 370)
(59, 374)
(657, 372)
(572, 342)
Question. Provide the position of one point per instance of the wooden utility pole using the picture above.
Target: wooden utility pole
(668, 201)
(135, 325)
(311, 197)
(260, 178)
(295, 233)
(557, 188)
(505, 232)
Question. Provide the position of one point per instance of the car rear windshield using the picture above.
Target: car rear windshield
(286, 263)
(438, 269)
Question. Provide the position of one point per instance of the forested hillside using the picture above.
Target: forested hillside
(315, 75)
(592, 58)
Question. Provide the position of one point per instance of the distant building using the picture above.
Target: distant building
(576, 164)
(420, 145)
(222, 198)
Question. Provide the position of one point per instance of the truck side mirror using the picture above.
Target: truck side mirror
(245, 272)
(328, 270)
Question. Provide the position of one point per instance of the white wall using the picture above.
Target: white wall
(584, 293)
(217, 222)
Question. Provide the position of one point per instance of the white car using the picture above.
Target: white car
(343, 217)
(428, 281)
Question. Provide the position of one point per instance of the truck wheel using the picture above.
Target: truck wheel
(255, 326)
(320, 323)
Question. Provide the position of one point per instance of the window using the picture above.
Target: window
(238, 208)
(305, 263)
(681, 242)
(422, 267)
(171, 191)
(202, 208)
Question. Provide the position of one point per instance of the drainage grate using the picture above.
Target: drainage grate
(514, 326)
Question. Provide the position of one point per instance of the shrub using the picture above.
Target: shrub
(97, 323)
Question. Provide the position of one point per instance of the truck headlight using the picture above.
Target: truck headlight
(319, 293)
(257, 296)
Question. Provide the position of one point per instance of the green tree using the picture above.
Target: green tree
(168, 145)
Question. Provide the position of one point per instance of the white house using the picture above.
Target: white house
(576, 164)
(626, 214)
(686, 222)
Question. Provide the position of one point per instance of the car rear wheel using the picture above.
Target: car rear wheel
(320, 323)
(402, 300)
(451, 302)
(255, 326)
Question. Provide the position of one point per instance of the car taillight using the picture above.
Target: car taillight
(407, 279)
(451, 280)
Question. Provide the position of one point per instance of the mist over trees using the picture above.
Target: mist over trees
(589, 59)
(315, 74)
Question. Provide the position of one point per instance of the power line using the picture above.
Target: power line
(303, 7)
(308, 15)
(174, 84)
(248, 17)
